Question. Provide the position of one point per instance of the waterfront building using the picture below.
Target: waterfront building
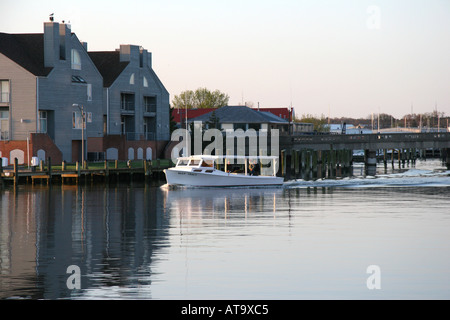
(47, 79)
(242, 117)
(135, 103)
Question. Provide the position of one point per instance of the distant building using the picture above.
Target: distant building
(283, 113)
(344, 128)
(45, 77)
(180, 115)
(242, 117)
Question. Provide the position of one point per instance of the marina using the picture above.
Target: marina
(307, 240)
(105, 172)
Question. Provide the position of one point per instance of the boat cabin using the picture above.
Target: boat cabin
(253, 166)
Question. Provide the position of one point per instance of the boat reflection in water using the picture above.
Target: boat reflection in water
(197, 203)
(113, 234)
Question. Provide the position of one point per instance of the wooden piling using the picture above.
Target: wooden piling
(447, 155)
(49, 169)
(1, 173)
(16, 171)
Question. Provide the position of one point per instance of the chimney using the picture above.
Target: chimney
(149, 60)
(145, 59)
(64, 41)
(51, 43)
(85, 45)
(129, 53)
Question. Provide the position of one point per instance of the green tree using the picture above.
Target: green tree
(213, 121)
(320, 124)
(201, 98)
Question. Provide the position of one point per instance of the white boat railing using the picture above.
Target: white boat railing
(249, 163)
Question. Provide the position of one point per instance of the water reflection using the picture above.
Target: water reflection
(107, 232)
(113, 234)
(226, 203)
(142, 242)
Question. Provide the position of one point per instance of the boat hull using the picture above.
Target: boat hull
(218, 179)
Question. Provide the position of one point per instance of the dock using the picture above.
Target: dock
(75, 173)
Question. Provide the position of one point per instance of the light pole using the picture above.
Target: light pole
(82, 131)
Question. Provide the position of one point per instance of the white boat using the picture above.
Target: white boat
(203, 171)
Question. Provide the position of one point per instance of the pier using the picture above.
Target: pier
(107, 171)
(328, 156)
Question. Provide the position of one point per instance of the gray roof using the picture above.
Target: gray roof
(27, 50)
(240, 114)
(109, 65)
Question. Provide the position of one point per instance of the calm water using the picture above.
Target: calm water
(307, 240)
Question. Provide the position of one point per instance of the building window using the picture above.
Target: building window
(242, 126)
(77, 121)
(145, 82)
(78, 79)
(127, 102)
(4, 123)
(149, 104)
(76, 60)
(132, 78)
(89, 92)
(4, 91)
(43, 121)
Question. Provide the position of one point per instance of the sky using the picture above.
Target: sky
(337, 58)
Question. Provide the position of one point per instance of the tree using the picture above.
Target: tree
(201, 98)
(184, 100)
(320, 124)
(213, 121)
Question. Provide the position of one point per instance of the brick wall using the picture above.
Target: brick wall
(15, 149)
(41, 141)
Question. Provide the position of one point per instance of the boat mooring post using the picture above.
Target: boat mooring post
(16, 171)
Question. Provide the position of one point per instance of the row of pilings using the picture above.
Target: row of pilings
(309, 164)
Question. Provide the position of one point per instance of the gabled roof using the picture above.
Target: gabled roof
(108, 64)
(240, 114)
(27, 50)
(179, 115)
(283, 113)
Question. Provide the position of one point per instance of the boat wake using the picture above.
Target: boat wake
(409, 178)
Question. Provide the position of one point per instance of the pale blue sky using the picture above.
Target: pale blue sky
(346, 58)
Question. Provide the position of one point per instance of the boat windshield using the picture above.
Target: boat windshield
(207, 163)
(182, 162)
(194, 163)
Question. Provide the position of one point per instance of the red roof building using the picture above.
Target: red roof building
(283, 113)
(179, 115)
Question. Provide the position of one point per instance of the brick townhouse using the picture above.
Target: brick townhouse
(47, 79)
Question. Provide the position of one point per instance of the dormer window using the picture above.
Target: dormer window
(76, 60)
(78, 79)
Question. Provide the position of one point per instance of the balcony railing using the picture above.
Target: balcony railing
(139, 136)
(4, 135)
(127, 106)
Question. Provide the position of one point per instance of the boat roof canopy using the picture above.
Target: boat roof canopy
(210, 157)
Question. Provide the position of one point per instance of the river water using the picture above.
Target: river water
(383, 237)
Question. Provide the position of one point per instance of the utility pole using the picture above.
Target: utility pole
(83, 126)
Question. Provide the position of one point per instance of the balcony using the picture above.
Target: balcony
(4, 135)
(139, 136)
(127, 103)
(127, 107)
